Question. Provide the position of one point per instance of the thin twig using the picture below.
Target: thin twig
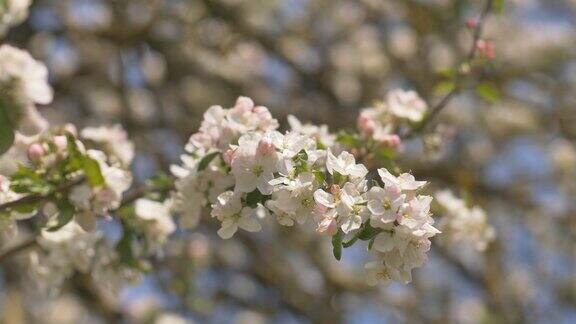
(34, 198)
(29, 242)
(436, 109)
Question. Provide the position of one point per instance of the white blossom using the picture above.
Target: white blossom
(383, 122)
(12, 13)
(195, 190)
(68, 249)
(255, 164)
(377, 273)
(346, 203)
(404, 182)
(292, 206)
(385, 205)
(230, 211)
(114, 141)
(98, 201)
(345, 164)
(224, 126)
(406, 104)
(25, 81)
(463, 224)
(156, 218)
(318, 132)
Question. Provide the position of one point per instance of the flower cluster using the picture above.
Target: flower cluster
(382, 122)
(12, 13)
(204, 174)
(404, 226)
(113, 140)
(242, 169)
(70, 250)
(23, 84)
(462, 224)
(59, 156)
(155, 220)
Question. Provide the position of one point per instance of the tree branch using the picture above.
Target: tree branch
(436, 109)
(34, 198)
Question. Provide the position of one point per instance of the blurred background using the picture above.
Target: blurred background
(155, 66)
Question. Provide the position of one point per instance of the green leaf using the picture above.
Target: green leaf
(337, 244)
(92, 171)
(444, 87)
(206, 160)
(368, 232)
(6, 131)
(302, 155)
(253, 198)
(371, 243)
(348, 139)
(488, 92)
(301, 161)
(26, 208)
(386, 153)
(124, 247)
(337, 178)
(26, 180)
(447, 73)
(65, 214)
(320, 176)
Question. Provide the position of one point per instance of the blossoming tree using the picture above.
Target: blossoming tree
(241, 173)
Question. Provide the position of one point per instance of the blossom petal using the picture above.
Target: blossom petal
(324, 198)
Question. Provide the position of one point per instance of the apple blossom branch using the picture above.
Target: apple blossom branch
(34, 198)
(477, 27)
(29, 242)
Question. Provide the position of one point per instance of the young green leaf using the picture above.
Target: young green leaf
(488, 92)
(92, 171)
(348, 139)
(444, 87)
(337, 244)
(368, 232)
(206, 160)
(65, 214)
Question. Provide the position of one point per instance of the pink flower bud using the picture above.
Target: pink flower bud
(366, 124)
(70, 129)
(472, 23)
(61, 142)
(266, 147)
(244, 104)
(391, 140)
(229, 156)
(486, 49)
(35, 152)
(262, 111)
